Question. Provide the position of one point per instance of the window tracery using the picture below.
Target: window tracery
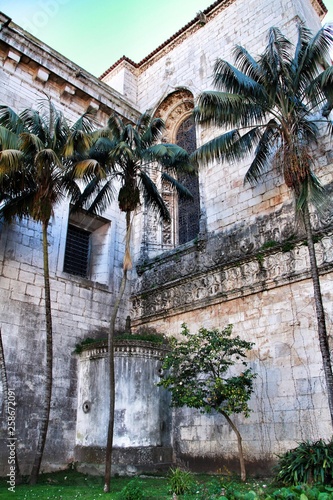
(176, 112)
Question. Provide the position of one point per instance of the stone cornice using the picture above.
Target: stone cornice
(320, 8)
(256, 273)
(246, 259)
(124, 348)
(23, 43)
(194, 25)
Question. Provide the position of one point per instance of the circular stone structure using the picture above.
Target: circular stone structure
(142, 432)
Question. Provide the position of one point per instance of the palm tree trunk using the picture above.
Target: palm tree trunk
(4, 381)
(239, 443)
(48, 370)
(321, 322)
(109, 445)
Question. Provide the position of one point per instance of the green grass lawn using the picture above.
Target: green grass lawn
(69, 485)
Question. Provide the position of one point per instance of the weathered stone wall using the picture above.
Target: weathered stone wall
(186, 63)
(80, 307)
(249, 266)
(257, 278)
(188, 59)
(227, 275)
(142, 433)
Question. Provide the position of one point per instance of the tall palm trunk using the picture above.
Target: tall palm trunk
(239, 444)
(4, 381)
(49, 347)
(112, 384)
(321, 322)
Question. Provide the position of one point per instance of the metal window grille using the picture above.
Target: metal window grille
(77, 251)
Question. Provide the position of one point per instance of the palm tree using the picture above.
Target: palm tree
(128, 153)
(273, 107)
(36, 145)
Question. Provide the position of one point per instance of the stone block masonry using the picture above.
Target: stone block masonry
(226, 275)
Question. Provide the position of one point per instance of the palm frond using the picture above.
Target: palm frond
(83, 198)
(152, 197)
(30, 143)
(105, 195)
(48, 115)
(36, 124)
(228, 78)
(311, 190)
(181, 190)
(11, 120)
(8, 139)
(10, 161)
(115, 125)
(18, 206)
(263, 154)
(228, 110)
(87, 169)
(153, 131)
(314, 56)
(86, 122)
(60, 134)
(170, 156)
(320, 91)
(130, 135)
(230, 146)
(143, 122)
(121, 151)
(77, 141)
(276, 57)
(318, 48)
(247, 64)
(45, 161)
(306, 130)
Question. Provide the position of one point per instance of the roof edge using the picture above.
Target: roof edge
(198, 19)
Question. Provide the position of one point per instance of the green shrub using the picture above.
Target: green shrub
(180, 481)
(133, 491)
(147, 335)
(86, 342)
(310, 462)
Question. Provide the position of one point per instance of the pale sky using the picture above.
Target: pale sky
(95, 34)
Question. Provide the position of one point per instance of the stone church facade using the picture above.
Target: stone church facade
(237, 256)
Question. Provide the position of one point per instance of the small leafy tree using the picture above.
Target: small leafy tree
(199, 375)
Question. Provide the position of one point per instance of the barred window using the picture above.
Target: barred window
(88, 247)
(77, 251)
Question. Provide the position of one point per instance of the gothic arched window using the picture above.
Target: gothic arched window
(188, 210)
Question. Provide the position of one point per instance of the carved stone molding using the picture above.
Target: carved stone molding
(231, 264)
(181, 35)
(137, 348)
(173, 110)
(230, 281)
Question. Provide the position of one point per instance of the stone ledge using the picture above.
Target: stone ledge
(137, 348)
(215, 283)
